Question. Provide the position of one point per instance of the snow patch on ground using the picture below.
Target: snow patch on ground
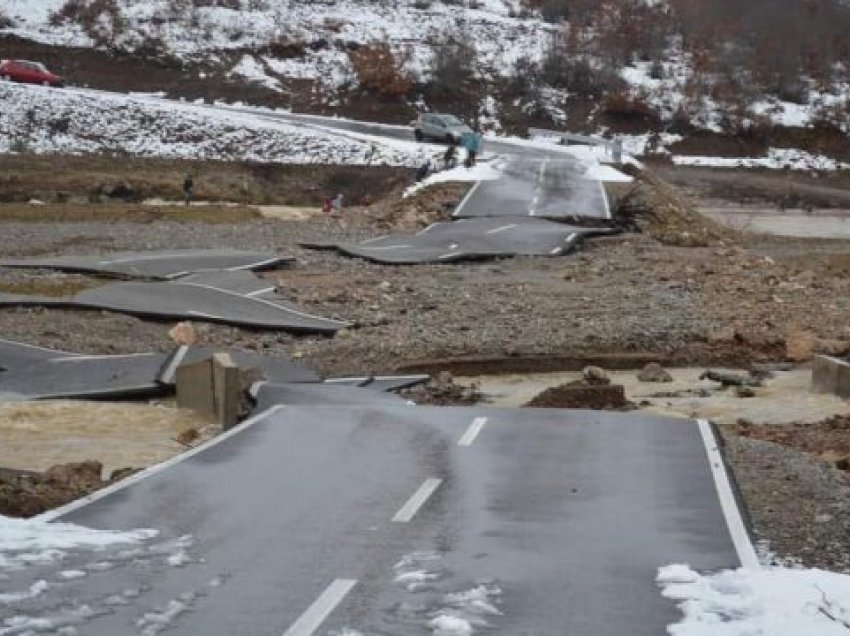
(772, 601)
(776, 159)
(250, 69)
(484, 171)
(30, 541)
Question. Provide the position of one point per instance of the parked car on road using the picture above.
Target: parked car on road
(440, 127)
(28, 72)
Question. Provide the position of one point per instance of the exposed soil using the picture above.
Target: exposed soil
(636, 298)
(28, 493)
(57, 179)
(580, 395)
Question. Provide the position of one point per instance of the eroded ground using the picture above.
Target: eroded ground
(689, 292)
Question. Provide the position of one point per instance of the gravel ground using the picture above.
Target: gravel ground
(722, 303)
(799, 505)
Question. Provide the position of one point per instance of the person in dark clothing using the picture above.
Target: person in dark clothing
(188, 188)
(450, 157)
(423, 170)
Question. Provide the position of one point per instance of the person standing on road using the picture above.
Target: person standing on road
(472, 143)
(188, 188)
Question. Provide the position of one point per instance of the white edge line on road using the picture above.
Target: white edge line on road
(740, 537)
(266, 290)
(315, 615)
(167, 376)
(417, 500)
(372, 240)
(155, 469)
(472, 432)
(116, 356)
(466, 198)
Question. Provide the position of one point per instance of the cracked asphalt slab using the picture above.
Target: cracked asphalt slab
(160, 264)
(469, 239)
(562, 517)
(234, 298)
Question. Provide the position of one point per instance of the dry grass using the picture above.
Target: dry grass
(54, 287)
(127, 213)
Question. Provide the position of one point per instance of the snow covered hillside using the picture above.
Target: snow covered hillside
(634, 66)
(42, 120)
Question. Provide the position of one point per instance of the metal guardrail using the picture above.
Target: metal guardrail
(614, 147)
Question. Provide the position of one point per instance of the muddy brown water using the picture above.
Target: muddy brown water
(37, 435)
(785, 398)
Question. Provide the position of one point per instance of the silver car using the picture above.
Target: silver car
(440, 127)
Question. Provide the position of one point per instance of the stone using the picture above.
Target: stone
(595, 375)
(183, 333)
(81, 476)
(800, 345)
(654, 372)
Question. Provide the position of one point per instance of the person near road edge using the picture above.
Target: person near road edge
(188, 188)
(450, 157)
(423, 170)
(472, 143)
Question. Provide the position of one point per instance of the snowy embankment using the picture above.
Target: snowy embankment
(771, 601)
(44, 121)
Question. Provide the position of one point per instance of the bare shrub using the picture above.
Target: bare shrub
(382, 71)
(100, 19)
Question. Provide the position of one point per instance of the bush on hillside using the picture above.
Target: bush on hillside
(382, 71)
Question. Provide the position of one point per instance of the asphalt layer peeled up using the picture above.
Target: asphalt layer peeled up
(383, 519)
(231, 297)
(164, 265)
(469, 239)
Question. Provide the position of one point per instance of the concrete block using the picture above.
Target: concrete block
(215, 388)
(195, 389)
(227, 390)
(831, 375)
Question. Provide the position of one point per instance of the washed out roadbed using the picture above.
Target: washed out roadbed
(683, 295)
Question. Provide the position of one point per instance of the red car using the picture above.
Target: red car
(28, 73)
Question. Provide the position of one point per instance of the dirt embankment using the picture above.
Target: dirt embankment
(62, 179)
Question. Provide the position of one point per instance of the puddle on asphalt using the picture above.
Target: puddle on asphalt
(38, 435)
(784, 398)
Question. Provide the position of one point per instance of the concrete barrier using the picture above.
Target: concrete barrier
(831, 375)
(215, 388)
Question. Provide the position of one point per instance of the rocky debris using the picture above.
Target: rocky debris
(655, 207)
(595, 376)
(828, 440)
(729, 379)
(184, 333)
(801, 345)
(443, 390)
(27, 493)
(417, 211)
(789, 496)
(188, 437)
(654, 372)
(583, 395)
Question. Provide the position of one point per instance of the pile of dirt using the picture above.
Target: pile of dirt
(653, 206)
(27, 493)
(418, 210)
(443, 390)
(828, 440)
(581, 394)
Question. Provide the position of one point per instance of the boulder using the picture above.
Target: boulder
(654, 372)
(595, 375)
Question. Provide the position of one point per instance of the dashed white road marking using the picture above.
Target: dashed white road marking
(738, 531)
(502, 228)
(472, 432)
(557, 250)
(417, 500)
(315, 615)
